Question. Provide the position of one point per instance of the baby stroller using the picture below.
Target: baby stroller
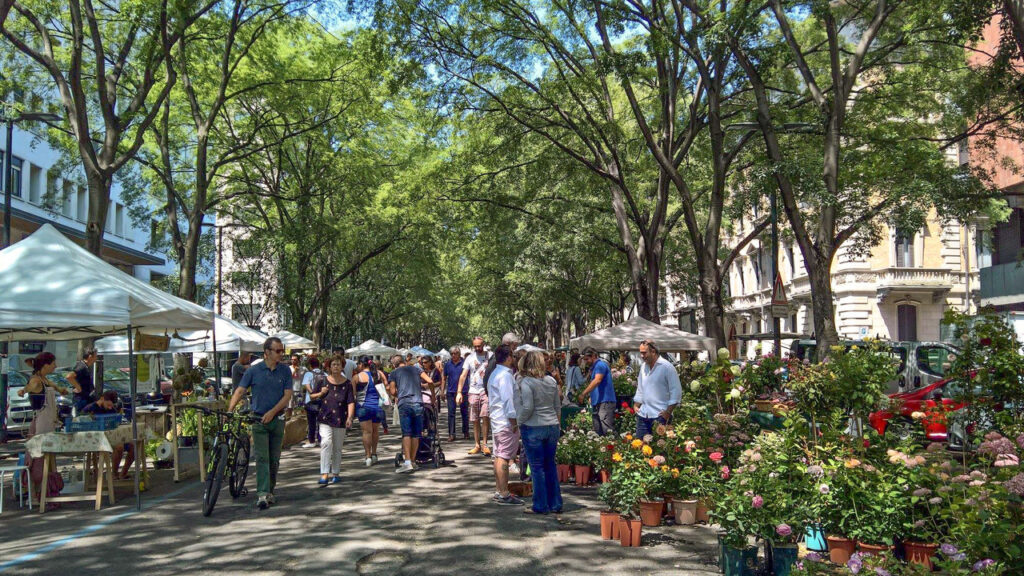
(429, 452)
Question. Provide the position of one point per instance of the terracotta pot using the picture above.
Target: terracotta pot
(920, 553)
(635, 527)
(605, 476)
(582, 475)
(840, 549)
(624, 536)
(763, 405)
(685, 511)
(615, 527)
(702, 511)
(564, 472)
(608, 519)
(650, 512)
(872, 549)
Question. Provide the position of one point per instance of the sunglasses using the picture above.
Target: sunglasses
(278, 350)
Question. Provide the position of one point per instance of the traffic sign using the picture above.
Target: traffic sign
(780, 305)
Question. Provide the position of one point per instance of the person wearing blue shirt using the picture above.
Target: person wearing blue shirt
(601, 391)
(657, 390)
(452, 372)
(271, 384)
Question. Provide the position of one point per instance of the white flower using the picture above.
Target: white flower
(736, 371)
(734, 394)
(694, 385)
(723, 353)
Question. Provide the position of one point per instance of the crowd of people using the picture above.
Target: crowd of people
(513, 399)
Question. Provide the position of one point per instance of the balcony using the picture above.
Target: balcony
(1002, 284)
(934, 281)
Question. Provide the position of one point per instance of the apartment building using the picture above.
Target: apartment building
(248, 290)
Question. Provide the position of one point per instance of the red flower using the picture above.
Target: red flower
(985, 342)
(625, 404)
(632, 411)
(610, 447)
(867, 443)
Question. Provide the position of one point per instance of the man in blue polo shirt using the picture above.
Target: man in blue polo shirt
(601, 391)
(271, 384)
(451, 375)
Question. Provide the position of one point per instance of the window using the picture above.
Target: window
(16, 164)
(906, 315)
(792, 261)
(119, 226)
(931, 358)
(83, 206)
(35, 183)
(792, 325)
(67, 208)
(756, 261)
(982, 249)
(109, 228)
(904, 241)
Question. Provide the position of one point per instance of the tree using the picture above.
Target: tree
(107, 62)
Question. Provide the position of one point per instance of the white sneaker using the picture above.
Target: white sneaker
(308, 445)
(405, 467)
(369, 462)
(374, 458)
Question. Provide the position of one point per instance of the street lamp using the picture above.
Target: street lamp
(10, 117)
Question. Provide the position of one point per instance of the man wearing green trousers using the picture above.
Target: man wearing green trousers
(271, 384)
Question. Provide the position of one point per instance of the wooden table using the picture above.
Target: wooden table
(98, 445)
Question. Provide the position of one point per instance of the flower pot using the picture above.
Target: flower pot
(763, 405)
(650, 512)
(605, 476)
(783, 558)
(814, 538)
(582, 475)
(615, 527)
(920, 553)
(564, 472)
(608, 519)
(685, 511)
(629, 531)
(840, 549)
(872, 549)
(739, 562)
(702, 511)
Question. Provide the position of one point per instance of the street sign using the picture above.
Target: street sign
(780, 305)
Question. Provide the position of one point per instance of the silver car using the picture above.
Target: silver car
(19, 408)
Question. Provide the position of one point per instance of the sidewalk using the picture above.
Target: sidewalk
(374, 522)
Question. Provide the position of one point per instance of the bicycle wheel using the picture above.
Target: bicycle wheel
(214, 479)
(240, 469)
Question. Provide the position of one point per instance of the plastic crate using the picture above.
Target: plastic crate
(96, 423)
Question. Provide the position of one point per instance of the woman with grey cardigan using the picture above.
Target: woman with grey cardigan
(537, 409)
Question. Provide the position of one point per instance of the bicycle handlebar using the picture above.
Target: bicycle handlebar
(245, 414)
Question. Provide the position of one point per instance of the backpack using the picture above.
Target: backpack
(319, 381)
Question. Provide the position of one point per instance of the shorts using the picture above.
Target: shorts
(506, 444)
(410, 416)
(478, 407)
(369, 413)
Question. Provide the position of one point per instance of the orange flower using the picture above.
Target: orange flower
(675, 473)
(653, 463)
(629, 436)
(852, 463)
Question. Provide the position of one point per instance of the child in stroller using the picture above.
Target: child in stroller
(429, 451)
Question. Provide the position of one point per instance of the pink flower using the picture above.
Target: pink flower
(725, 472)
(783, 530)
(715, 457)
(757, 502)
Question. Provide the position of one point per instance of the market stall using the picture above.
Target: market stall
(294, 341)
(371, 348)
(56, 290)
(629, 334)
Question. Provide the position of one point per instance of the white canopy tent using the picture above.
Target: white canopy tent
(530, 348)
(627, 336)
(371, 348)
(231, 337)
(294, 341)
(53, 289)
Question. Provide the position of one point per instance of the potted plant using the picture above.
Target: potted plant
(610, 515)
(563, 459)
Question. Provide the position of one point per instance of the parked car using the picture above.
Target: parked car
(921, 363)
(19, 408)
(924, 400)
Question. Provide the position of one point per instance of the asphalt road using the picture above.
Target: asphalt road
(374, 522)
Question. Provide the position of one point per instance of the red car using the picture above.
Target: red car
(928, 401)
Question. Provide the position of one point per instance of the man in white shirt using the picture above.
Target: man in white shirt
(657, 390)
(473, 370)
(500, 391)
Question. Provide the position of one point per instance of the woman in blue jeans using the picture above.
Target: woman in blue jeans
(368, 405)
(538, 406)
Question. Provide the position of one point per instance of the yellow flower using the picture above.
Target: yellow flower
(675, 473)
(664, 468)
(647, 450)
(617, 457)
(626, 465)
(852, 463)
(629, 436)
(637, 443)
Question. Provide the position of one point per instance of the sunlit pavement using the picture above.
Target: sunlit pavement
(374, 522)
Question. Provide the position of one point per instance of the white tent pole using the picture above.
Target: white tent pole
(216, 365)
(132, 389)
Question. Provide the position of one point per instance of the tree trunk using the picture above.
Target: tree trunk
(187, 266)
(713, 307)
(819, 273)
(99, 204)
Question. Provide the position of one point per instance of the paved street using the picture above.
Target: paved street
(375, 522)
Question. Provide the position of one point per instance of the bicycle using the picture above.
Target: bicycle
(230, 451)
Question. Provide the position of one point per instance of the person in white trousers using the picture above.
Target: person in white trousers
(337, 411)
